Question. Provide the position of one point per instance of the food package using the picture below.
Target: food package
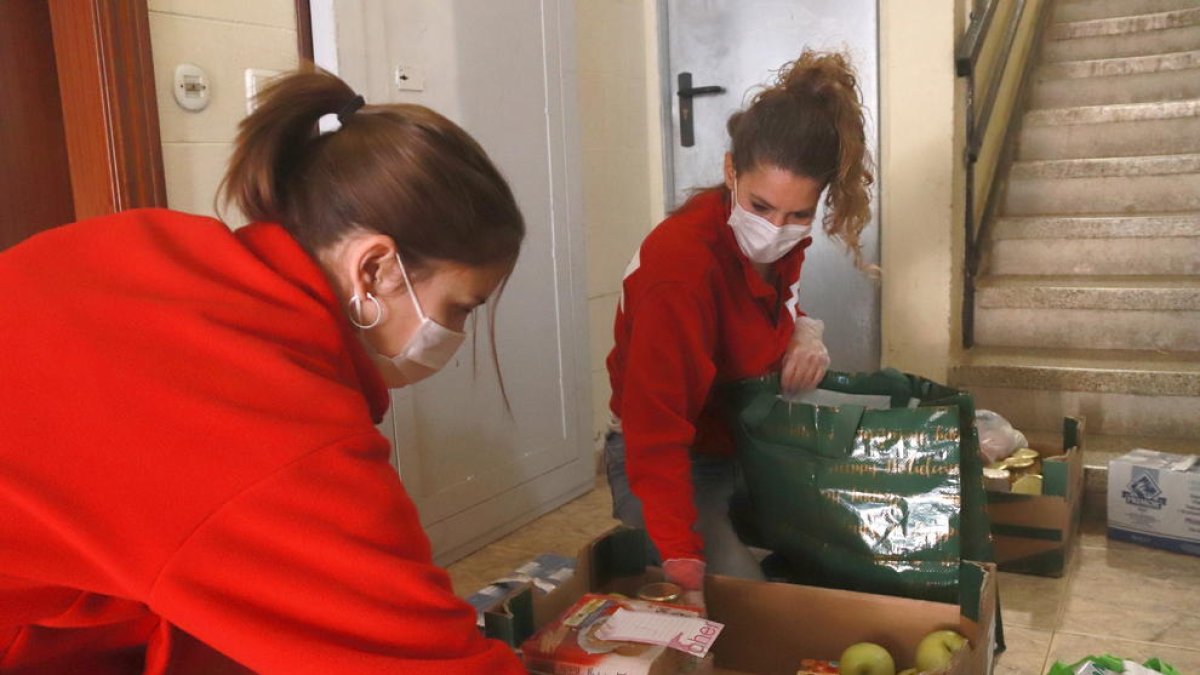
(572, 643)
(1111, 665)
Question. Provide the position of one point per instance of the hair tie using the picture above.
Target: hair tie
(350, 108)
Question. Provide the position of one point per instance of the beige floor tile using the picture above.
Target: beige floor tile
(478, 569)
(564, 531)
(1026, 652)
(1031, 602)
(1069, 648)
(1135, 593)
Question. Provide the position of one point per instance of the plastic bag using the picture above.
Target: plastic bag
(1111, 665)
(997, 438)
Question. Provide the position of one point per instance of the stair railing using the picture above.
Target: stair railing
(996, 56)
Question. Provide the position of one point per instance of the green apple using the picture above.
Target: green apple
(936, 650)
(866, 658)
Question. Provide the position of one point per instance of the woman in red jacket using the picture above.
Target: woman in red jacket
(711, 297)
(192, 478)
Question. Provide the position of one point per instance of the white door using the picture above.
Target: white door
(504, 71)
(736, 45)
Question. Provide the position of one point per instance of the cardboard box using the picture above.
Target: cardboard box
(1154, 499)
(770, 627)
(1033, 533)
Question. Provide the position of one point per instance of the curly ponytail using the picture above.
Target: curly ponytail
(400, 170)
(810, 122)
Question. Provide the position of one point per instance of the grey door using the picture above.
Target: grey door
(736, 45)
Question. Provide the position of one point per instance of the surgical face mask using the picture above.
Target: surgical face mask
(761, 241)
(430, 348)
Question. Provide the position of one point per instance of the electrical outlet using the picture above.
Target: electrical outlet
(410, 77)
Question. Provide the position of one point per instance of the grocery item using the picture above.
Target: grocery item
(574, 642)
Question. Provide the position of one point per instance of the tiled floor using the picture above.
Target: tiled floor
(1117, 598)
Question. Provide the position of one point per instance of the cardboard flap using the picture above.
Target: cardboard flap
(511, 622)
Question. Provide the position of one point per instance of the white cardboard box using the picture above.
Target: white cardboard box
(1154, 499)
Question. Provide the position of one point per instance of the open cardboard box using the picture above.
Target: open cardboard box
(1033, 533)
(770, 627)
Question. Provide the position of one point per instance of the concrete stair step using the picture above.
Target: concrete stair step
(1129, 79)
(1125, 25)
(1064, 317)
(1106, 244)
(1098, 226)
(1148, 294)
(1086, 10)
(1112, 184)
(1176, 31)
(1113, 130)
(1124, 393)
(1098, 449)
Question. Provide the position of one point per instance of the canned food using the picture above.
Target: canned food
(1019, 464)
(1025, 453)
(661, 591)
(1028, 485)
(995, 474)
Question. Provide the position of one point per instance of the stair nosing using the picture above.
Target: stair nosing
(1101, 375)
(1181, 224)
(1189, 17)
(1113, 113)
(1188, 59)
(1109, 167)
(1086, 293)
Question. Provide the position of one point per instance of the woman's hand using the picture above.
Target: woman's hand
(688, 574)
(806, 360)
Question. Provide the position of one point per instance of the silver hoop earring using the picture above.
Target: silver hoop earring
(355, 312)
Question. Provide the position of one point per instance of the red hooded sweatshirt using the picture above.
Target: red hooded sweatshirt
(693, 314)
(190, 475)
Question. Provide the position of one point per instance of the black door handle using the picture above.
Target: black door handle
(687, 134)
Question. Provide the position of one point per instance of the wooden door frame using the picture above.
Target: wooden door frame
(304, 40)
(110, 110)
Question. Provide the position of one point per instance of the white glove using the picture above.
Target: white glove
(806, 360)
(688, 573)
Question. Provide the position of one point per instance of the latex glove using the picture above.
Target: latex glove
(806, 360)
(688, 574)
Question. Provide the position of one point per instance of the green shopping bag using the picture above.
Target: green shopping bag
(875, 486)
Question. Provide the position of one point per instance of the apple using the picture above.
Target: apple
(936, 650)
(908, 671)
(866, 658)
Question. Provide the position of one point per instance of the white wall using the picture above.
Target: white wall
(622, 161)
(921, 107)
(224, 37)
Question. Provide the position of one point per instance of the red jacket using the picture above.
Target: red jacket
(694, 313)
(188, 448)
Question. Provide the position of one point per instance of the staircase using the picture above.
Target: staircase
(1089, 299)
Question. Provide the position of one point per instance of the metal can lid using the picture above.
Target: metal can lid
(1025, 453)
(661, 591)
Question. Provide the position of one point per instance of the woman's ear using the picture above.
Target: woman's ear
(730, 176)
(371, 264)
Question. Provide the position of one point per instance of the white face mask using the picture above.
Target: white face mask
(761, 241)
(430, 348)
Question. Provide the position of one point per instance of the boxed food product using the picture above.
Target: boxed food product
(1033, 532)
(1154, 499)
(576, 641)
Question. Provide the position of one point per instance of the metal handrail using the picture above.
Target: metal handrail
(966, 60)
(989, 100)
(972, 44)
